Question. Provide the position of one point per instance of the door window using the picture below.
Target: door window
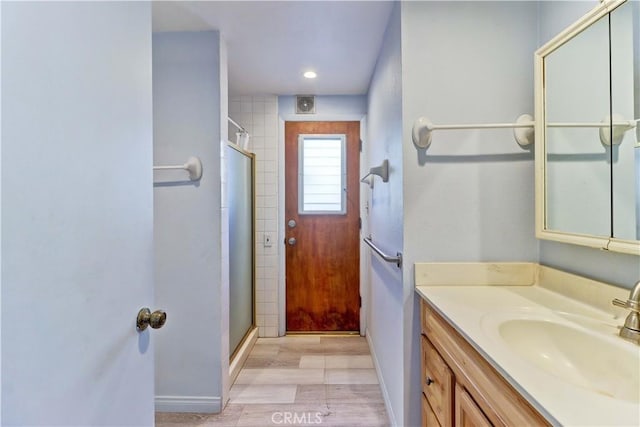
(322, 169)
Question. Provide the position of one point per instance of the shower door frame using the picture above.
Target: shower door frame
(252, 157)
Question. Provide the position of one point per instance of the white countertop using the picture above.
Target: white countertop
(474, 310)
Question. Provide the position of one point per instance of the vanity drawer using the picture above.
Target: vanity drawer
(437, 383)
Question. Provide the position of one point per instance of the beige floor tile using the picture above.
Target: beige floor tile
(290, 339)
(348, 361)
(292, 369)
(360, 415)
(263, 393)
(345, 345)
(272, 415)
(280, 376)
(351, 376)
(227, 418)
(172, 419)
(311, 393)
(283, 359)
(303, 348)
(312, 361)
(265, 350)
(353, 393)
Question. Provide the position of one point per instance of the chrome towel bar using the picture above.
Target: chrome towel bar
(395, 259)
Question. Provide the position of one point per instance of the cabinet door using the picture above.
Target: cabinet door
(437, 383)
(428, 417)
(468, 414)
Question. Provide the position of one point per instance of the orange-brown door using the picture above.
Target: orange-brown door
(322, 226)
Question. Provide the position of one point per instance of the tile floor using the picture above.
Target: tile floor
(299, 381)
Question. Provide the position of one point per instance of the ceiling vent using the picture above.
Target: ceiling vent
(305, 104)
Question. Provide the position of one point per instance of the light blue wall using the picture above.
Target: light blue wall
(384, 141)
(328, 107)
(620, 269)
(470, 196)
(77, 217)
(187, 102)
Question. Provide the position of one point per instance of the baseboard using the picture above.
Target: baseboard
(383, 387)
(241, 356)
(204, 405)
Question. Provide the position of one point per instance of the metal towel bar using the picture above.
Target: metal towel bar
(396, 259)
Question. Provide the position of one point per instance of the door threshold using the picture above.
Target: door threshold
(324, 333)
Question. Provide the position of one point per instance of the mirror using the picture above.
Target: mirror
(587, 154)
(625, 85)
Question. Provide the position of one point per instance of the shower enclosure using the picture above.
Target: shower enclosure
(240, 185)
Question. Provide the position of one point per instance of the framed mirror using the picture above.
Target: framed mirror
(587, 150)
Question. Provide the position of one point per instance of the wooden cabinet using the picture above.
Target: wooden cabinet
(467, 412)
(428, 416)
(437, 383)
(460, 387)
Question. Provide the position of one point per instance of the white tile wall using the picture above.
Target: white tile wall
(259, 116)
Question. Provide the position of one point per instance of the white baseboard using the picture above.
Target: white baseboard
(204, 405)
(383, 387)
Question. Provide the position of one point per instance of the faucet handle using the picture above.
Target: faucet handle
(619, 303)
(628, 304)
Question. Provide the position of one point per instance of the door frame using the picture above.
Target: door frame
(364, 260)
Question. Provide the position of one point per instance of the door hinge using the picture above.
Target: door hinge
(360, 301)
(359, 223)
(361, 146)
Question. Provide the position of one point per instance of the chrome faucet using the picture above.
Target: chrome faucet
(631, 329)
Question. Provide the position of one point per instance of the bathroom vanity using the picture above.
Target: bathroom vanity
(514, 344)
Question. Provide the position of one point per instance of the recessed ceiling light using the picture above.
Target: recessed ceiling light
(310, 74)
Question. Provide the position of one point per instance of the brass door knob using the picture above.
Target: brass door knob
(145, 318)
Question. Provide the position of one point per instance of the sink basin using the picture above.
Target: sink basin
(588, 360)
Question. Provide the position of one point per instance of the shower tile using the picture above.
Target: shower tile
(258, 107)
(246, 107)
(271, 331)
(271, 320)
(234, 107)
(271, 107)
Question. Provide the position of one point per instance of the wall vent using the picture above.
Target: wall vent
(305, 104)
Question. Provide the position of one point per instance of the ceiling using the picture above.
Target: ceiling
(271, 43)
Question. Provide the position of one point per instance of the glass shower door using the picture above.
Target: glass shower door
(240, 185)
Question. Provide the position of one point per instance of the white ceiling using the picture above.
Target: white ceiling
(271, 43)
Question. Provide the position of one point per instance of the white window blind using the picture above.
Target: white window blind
(322, 174)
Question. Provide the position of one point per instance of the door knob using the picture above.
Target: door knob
(145, 318)
(292, 223)
(292, 241)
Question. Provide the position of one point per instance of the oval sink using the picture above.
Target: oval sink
(575, 355)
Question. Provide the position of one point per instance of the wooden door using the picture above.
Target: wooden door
(322, 241)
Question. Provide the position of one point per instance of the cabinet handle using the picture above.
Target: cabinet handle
(429, 381)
